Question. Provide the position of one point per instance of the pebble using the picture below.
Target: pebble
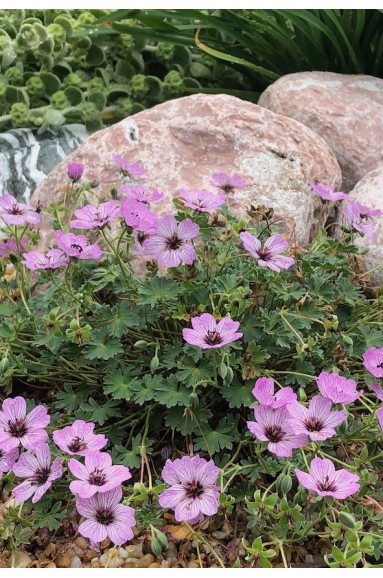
(193, 565)
(129, 565)
(62, 561)
(105, 544)
(81, 543)
(21, 559)
(51, 565)
(219, 535)
(155, 565)
(134, 550)
(131, 560)
(123, 553)
(75, 562)
(309, 559)
(95, 563)
(79, 551)
(70, 552)
(145, 561)
(89, 555)
(165, 564)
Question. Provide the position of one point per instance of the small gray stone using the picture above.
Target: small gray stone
(134, 550)
(75, 562)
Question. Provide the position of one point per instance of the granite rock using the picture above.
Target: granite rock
(345, 110)
(27, 157)
(369, 192)
(183, 141)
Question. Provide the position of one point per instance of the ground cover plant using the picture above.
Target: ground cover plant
(179, 373)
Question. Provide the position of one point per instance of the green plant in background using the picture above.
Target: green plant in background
(265, 44)
(99, 66)
(53, 72)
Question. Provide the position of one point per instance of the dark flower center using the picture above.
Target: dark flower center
(15, 210)
(97, 478)
(380, 365)
(104, 517)
(174, 242)
(17, 428)
(274, 433)
(77, 445)
(77, 247)
(314, 424)
(141, 236)
(327, 485)
(194, 489)
(264, 254)
(227, 188)
(213, 338)
(1, 454)
(41, 476)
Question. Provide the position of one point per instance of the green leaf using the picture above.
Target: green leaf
(157, 290)
(189, 421)
(74, 95)
(101, 413)
(98, 99)
(170, 392)
(51, 82)
(239, 394)
(119, 318)
(70, 400)
(214, 440)
(118, 384)
(190, 373)
(95, 55)
(144, 389)
(102, 346)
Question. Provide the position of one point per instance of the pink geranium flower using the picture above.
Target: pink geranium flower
(193, 493)
(317, 421)
(379, 415)
(76, 246)
(264, 393)
(90, 217)
(324, 480)
(14, 213)
(39, 471)
(140, 238)
(141, 194)
(337, 388)
(137, 215)
(106, 518)
(129, 169)
(11, 246)
(53, 259)
(373, 361)
(360, 217)
(97, 475)
(75, 171)
(202, 201)
(326, 193)
(377, 390)
(171, 245)
(16, 427)
(7, 460)
(78, 438)
(270, 254)
(273, 426)
(207, 333)
(228, 183)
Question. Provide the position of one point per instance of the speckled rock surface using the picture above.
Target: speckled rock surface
(345, 110)
(369, 192)
(181, 142)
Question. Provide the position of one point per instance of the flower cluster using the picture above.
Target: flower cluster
(286, 424)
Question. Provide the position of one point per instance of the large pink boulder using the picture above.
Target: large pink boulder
(369, 192)
(182, 142)
(345, 110)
